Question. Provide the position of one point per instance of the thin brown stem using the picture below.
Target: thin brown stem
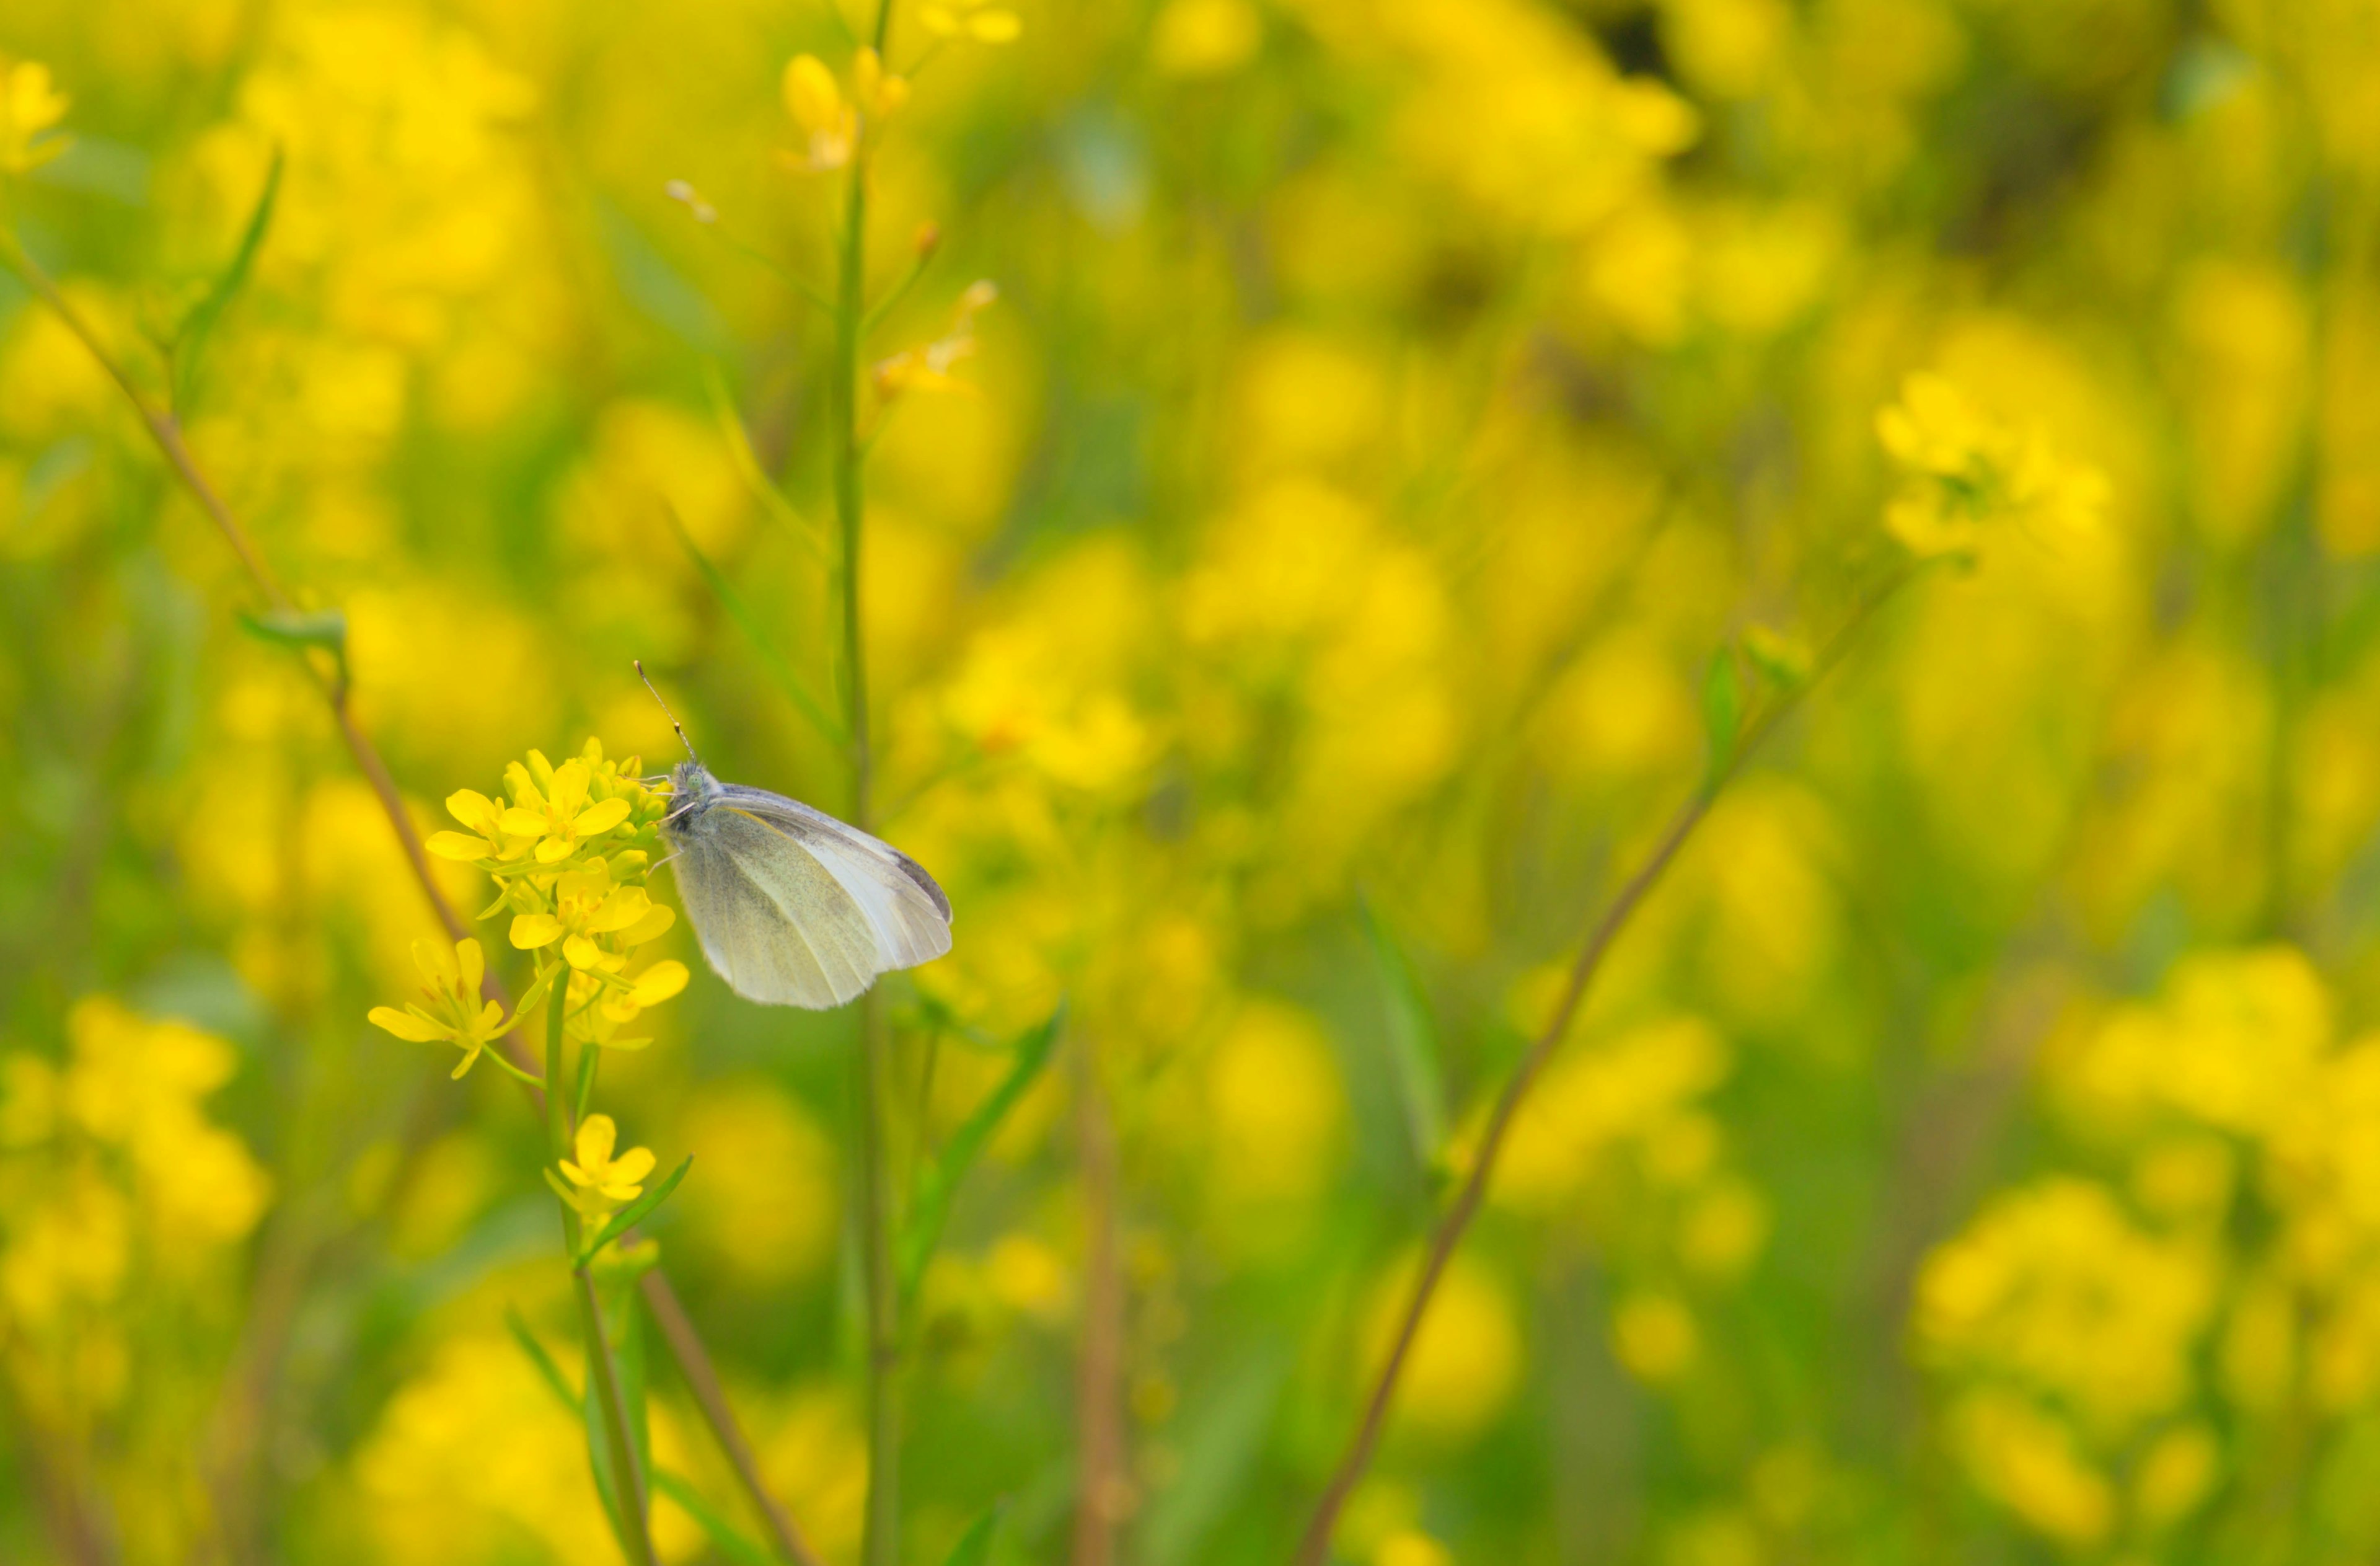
(702, 1380)
(1314, 1548)
(1102, 1491)
(685, 1345)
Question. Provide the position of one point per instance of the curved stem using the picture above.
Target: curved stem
(1314, 1549)
(692, 1359)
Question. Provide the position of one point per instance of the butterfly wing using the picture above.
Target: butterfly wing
(777, 928)
(795, 908)
(908, 912)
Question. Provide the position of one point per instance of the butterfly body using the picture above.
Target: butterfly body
(794, 907)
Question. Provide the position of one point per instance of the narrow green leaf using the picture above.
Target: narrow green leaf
(546, 1368)
(1722, 713)
(634, 1213)
(975, 1546)
(326, 628)
(190, 340)
(779, 671)
(599, 1454)
(1413, 1040)
(929, 1203)
(731, 1543)
(724, 1534)
(747, 463)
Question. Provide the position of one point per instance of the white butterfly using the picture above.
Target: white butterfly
(794, 907)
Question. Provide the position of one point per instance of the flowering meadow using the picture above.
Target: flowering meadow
(1653, 728)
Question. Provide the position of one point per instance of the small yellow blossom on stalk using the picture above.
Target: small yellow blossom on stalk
(600, 1182)
(29, 105)
(485, 818)
(833, 127)
(975, 19)
(587, 904)
(1968, 475)
(451, 1007)
(558, 817)
(929, 369)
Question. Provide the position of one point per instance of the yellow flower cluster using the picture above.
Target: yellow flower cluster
(570, 847)
(117, 1191)
(2077, 1320)
(1969, 477)
(29, 107)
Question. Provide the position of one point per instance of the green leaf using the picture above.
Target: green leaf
(975, 1546)
(779, 671)
(747, 463)
(300, 630)
(190, 340)
(1413, 1040)
(1722, 714)
(546, 1368)
(634, 1213)
(731, 1543)
(929, 1203)
(326, 628)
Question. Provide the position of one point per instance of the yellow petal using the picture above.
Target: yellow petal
(619, 910)
(456, 845)
(473, 808)
(581, 952)
(533, 931)
(632, 1166)
(812, 96)
(597, 1135)
(405, 1025)
(523, 823)
(597, 819)
(555, 849)
(655, 920)
(577, 1175)
(436, 961)
(470, 966)
(658, 983)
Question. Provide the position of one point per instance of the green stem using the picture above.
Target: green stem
(634, 1528)
(881, 1535)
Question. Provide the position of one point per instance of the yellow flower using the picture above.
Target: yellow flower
(930, 368)
(603, 1181)
(454, 1010)
(1968, 475)
(601, 1007)
(976, 20)
(484, 816)
(560, 815)
(830, 127)
(585, 904)
(29, 105)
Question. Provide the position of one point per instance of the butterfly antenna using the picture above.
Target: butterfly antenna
(665, 710)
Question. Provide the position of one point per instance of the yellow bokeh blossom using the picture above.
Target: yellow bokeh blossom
(1968, 476)
(30, 105)
(978, 19)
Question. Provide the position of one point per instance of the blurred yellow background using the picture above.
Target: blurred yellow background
(1283, 635)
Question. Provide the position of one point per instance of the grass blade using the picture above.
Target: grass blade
(634, 1213)
(190, 342)
(930, 1203)
(781, 672)
(1412, 1038)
